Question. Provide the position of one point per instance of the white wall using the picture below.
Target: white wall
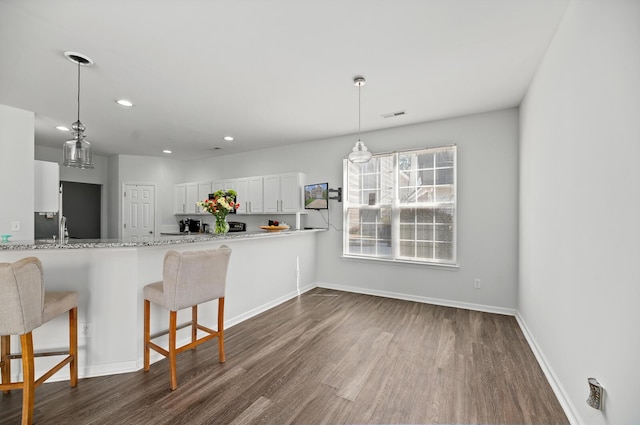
(16, 172)
(580, 209)
(487, 216)
(99, 175)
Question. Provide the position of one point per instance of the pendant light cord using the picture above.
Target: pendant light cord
(78, 91)
(359, 110)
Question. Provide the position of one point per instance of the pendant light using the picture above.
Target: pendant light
(360, 153)
(77, 150)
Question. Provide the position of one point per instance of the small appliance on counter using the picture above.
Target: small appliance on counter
(192, 225)
(237, 226)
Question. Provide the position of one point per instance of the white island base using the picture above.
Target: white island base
(263, 272)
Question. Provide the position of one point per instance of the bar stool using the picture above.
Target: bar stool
(25, 306)
(188, 279)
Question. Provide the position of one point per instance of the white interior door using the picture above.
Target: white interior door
(139, 212)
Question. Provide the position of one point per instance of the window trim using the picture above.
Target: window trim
(395, 214)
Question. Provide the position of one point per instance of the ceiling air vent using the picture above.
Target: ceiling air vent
(394, 114)
(217, 148)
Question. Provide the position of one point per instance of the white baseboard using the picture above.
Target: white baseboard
(261, 309)
(417, 298)
(566, 404)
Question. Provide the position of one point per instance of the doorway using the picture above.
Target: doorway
(139, 208)
(82, 206)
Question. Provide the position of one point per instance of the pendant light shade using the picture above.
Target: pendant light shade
(360, 152)
(77, 150)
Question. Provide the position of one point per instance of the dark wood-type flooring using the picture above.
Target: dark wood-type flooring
(326, 357)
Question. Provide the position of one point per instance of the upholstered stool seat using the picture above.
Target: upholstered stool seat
(57, 303)
(188, 279)
(25, 306)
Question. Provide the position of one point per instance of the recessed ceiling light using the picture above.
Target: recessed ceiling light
(166, 151)
(62, 128)
(228, 138)
(124, 102)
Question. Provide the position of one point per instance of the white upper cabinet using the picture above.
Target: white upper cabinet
(204, 189)
(254, 201)
(179, 198)
(239, 185)
(278, 193)
(192, 198)
(283, 193)
(47, 186)
(291, 192)
(271, 194)
(217, 185)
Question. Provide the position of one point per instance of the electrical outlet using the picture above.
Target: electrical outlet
(477, 283)
(84, 330)
(15, 226)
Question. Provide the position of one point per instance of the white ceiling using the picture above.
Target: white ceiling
(268, 73)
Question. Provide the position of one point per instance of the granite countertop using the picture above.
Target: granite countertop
(155, 241)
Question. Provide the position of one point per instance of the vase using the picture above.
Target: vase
(221, 226)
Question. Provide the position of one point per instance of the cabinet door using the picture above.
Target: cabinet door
(254, 196)
(217, 185)
(179, 198)
(231, 185)
(241, 186)
(290, 193)
(192, 198)
(271, 201)
(204, 189)
(47, 186)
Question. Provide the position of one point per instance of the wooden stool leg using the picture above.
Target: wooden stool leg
(147, 337)
(194, 324)
(73, 346)
(28, 378)
(221, 329)
(172, 348)
(5, 350)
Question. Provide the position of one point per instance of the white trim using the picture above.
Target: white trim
(261, 309)
(420, 299)
(444, 266)
(556, 386)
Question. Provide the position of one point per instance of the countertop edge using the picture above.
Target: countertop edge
(165, 241)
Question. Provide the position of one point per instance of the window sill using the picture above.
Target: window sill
(403, 262)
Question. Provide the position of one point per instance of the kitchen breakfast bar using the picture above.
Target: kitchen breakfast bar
(265, 269)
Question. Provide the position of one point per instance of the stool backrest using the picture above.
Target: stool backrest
(194, 277)
(21, 296)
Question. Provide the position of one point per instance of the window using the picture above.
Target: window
(401, 206)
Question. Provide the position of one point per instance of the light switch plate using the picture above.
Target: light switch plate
(15, 226)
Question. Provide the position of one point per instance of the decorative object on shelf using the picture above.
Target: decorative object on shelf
(360, 153)
(4, 238)
(221, 205)
(275, 228)
(596, 393)
(77, 150)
